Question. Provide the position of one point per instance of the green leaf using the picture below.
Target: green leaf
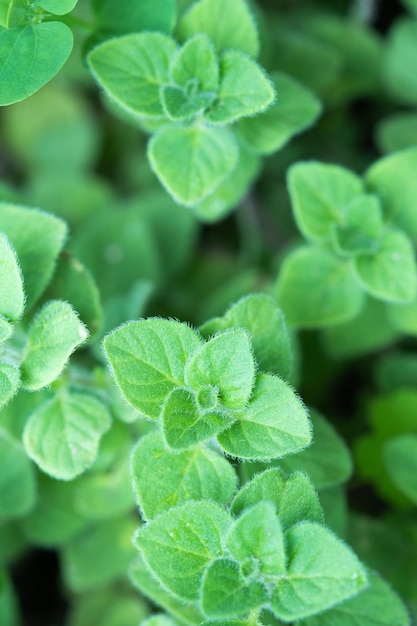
(225, 362)
(225, 593)
(9, 614)
(293, 496)
(295, 109)
(176, 477)
(274, 423)
(316, 289)
(322, 571)
(63, 434)
(361, 228)
(391, 273)
(397, 132)
(53, 335)
(393, 179)
(148, 15)
(196, 66)
(6, 329)
(158, 620)
(319, 193)
(57, 7)
(9, 383)
(13, 13)
(37, 238)
(400, 459)
(31, 55)
(132, 68)
(186, 421)
(115, 607)
(228, 23)
(400, 59)
(148, 359)
(99, 555)
(204, 156)
(256, 541)
(270, 339)
(403, 317)
(377, 605)
(327, 461)
(245, 89)
(178, 105)
(17, 478)
(178, 545)
(12, 297)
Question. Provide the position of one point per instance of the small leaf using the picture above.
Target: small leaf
(225, 362)
(146, 15)
(31, 55)
(178, 105)
(204, 156)
(53, 335)
(244, 90)
(257, 537)
(228, 23)
(322, 571)
(361, 228)
(294, 496)
(177, 477)
(6, 329)
(316, 289)
(148, 359)
(9, 383)
(12, 297)
(185, 423)
(57, 7)
(391, 273)
(319, 193)
(400, 460)
(17, 478)
(63, 434)
(37, 238)
(132, 68)
(225, 593)
(196, 64)
(275, 423)
(178, 545)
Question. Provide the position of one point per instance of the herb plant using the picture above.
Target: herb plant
(204, 418)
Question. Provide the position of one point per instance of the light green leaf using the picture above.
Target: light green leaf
(178, 545)
(319, 193)
(186, 421)
(17, 478)
(294, 496)
(228, 23)
(391, 273)
(225, 593)
(134, 16)
(400, 460)
(12, 297)
(13, 13)
(37, 238)
(397, 132)
(196, 66)
(9, 383)
(176, 477)
(30, 56)
(403, 317)
(53, 335)
(6, 329)
(315, 289)
(322, 571)
(148, 359)
(179, 105)
(327, 461)
(274, 423)
(256, 541)
(269, 335)
(245, 89)
(63, 434)
(361, 227)
(115, 607)
(295, 109)
(377, 605)
(158, 620)
(399, 60)
(57, 7)
(132, 68)
(226, 363)
(204, 156)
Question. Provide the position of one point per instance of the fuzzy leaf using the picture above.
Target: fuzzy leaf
(30, 56)
(176, 477)
(228, 23)
(361, 228)
(12, 297)
(225, 593)
(178, 545)
(319, 193)
(63, 434)
(315, 289)
(225, 362)
(322, 571)
(400, 460)
(391, 273)
(132, 68)
(6, 329)
(178, 105)
(274, 423)
(204, 156)
(244, 90)
(148, 359)
(9, 383)
(17, 478)
(196, 65)
(53, 335)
